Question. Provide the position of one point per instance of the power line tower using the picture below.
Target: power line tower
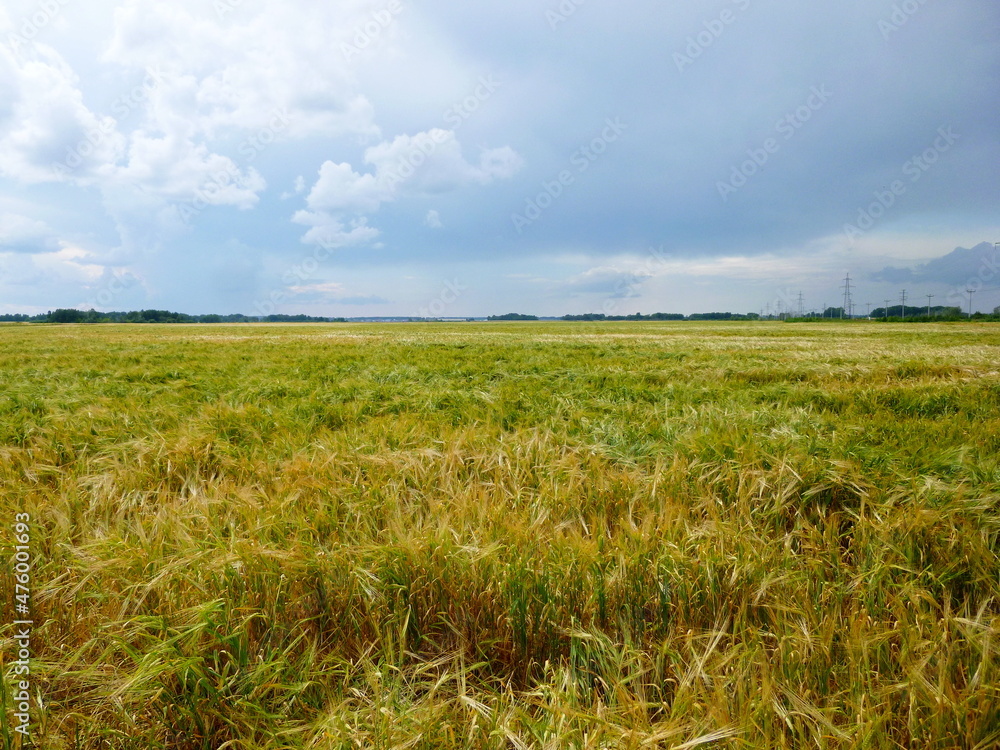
(802, 309)
(929, 298)
(887, 309)
(902, 311)
(869, 313)
(971, 292)
(847, 296)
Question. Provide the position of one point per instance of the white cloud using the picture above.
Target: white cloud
(330, 232)
(340, 188)
(426, 163)
(180, 170)
(433, 219)
(432, 162)
(47, 134)
(19, 232)
(325, 287)
(330, 292)
(69, 263)
(615, 283)
(253, 76)
(234, 70)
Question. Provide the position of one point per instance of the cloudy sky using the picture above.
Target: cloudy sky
(398, 157)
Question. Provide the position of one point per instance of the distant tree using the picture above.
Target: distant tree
(665, 316)
(586, 317)
(63, 315)
(716, 316)
(513, 316)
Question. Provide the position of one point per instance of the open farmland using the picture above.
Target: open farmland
(506, 535)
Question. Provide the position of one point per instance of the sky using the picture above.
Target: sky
(400, 158)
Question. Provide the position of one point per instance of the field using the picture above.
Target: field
(505, 535)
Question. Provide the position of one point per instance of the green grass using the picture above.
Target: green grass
(507, 535)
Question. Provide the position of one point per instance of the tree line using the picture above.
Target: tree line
(63, 315)
(892, 313)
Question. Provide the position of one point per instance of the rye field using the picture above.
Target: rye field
(505, 536)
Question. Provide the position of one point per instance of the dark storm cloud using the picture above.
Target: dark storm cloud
(956, 268)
